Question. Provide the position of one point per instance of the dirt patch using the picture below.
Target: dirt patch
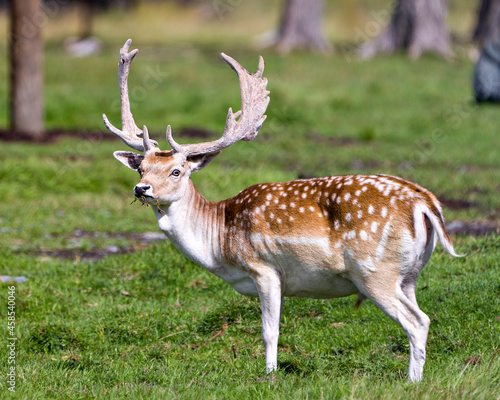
(139, 241)
(456, 204)
(143, 238)
(52, 136)
(473, 228)
(79, 255)
(96, 135)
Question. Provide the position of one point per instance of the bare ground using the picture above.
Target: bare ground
(52, 136)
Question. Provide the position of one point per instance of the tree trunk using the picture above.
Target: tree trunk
(86, 12)
(416, 26)
(488, 22)
(26, 67)
(301, 27)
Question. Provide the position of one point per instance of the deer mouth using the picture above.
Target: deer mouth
(146, 199)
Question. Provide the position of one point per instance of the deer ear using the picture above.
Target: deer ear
(129, 159)
(199, 162)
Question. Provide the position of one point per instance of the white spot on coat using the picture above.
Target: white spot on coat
(363, 235)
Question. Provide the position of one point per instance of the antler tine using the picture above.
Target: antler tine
(129, 133)
(242, 125)
(147, 143)
(173, 144)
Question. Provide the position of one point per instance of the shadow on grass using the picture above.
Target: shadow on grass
(243, 310)
(297, 366)
(51, 338)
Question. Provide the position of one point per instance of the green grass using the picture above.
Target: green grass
(150, 324)
(146, 324)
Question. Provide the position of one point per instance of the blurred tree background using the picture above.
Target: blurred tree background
(359, 28)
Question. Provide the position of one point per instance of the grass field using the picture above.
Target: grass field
(147, 323)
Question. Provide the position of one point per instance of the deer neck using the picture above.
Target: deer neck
(193, 225)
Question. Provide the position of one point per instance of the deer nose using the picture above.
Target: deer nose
(140, 190)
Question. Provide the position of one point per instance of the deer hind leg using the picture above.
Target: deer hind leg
(415, 323)
(396, 297)
(268, 284)
(404, 310)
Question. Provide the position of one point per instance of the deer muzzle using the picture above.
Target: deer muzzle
(142, 190)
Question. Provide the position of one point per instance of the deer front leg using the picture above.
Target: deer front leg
(268, 285)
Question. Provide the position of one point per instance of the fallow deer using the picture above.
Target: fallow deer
(369, 235)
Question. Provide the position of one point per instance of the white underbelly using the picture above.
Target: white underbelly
(318, 284)
(241, 281)
(296, 282)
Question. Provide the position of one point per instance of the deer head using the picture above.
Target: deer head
(164, 174)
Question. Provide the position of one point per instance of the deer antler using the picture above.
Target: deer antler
(130, 133)
(242, 125)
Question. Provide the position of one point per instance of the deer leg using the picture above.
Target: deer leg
(408, 286)
(414, 322)
(269, 288)
(396, 297)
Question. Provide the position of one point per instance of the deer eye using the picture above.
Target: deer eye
(176, 172)
(139, 170)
